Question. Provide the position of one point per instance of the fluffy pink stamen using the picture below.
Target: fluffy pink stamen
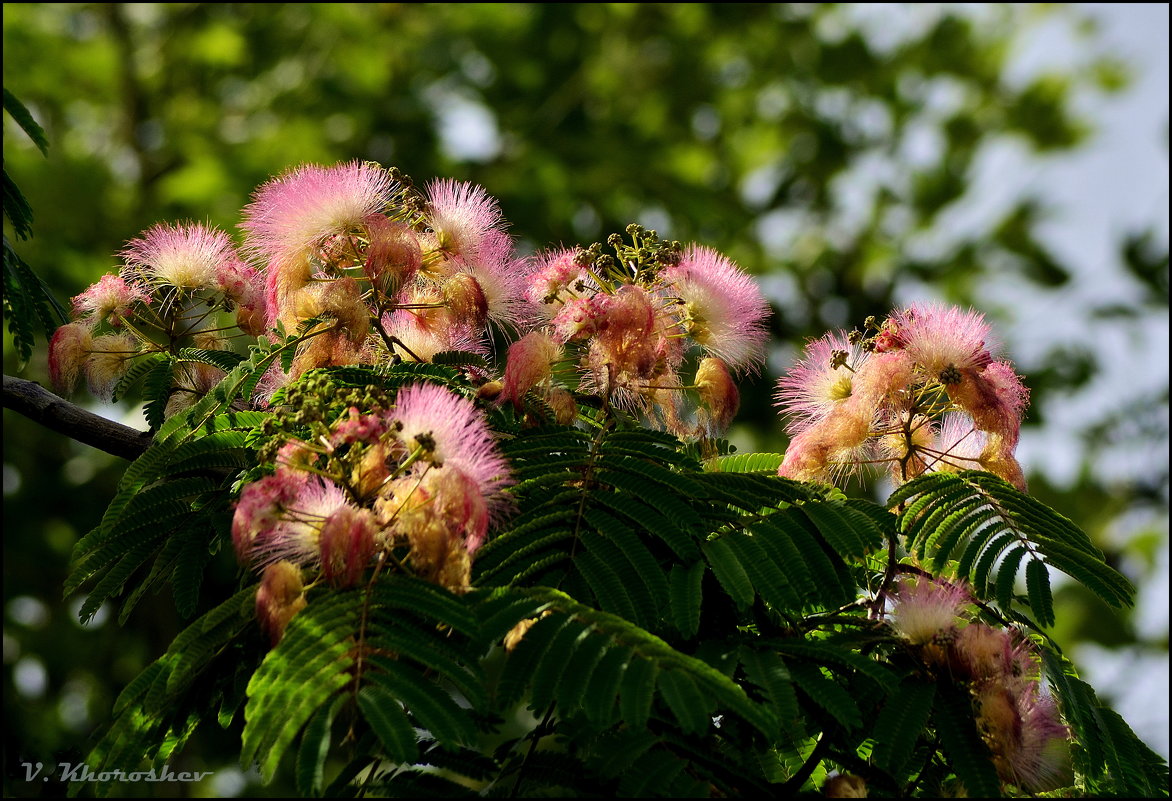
(298, 211)
(463, 216)
(188, 256)
(721, 306)
(456, 434)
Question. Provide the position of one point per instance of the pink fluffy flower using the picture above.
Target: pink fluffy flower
(1042, 760)
(261, 508)
(108, 361)
(503, 278)
(298, 211)
(296, 536)
(580, 317)
(938, 337)
(347, 542)
(393, 255)
(188, 256)
(554, 272)
(957, 445)
(68, 349)
(721, 306)
(426, 332)
(1020, 724)
(463, 218)
(244, 286)
(719, 396)
(925, 609)
(452, 431)
(834, 446)
(984, 652)
(355, 427)
(280, 596)
(528, 364)
(111, 295)
(815, 385)
(1012, 397)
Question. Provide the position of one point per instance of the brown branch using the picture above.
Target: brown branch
(42, 406)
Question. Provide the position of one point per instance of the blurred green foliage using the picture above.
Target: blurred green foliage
(818, 145)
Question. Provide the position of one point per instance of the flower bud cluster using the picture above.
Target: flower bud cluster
(629, 322)
(922, 393)
(1017, 717)
(412, 481)
(179, 286)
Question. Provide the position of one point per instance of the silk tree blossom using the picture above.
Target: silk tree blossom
(580, 318)
(393, 255)
(721, 307)
(957, 445)
(243, 285)
(940, 337)
(820, 382)
(719, 396)
(69, 347)
(464, 219)
(921, 394)
(108, 361)
(346, 541)
(465, 299)
(450, 431)
(622, 358)
(282, 519)
(110, 298)
(261, 509)
(1020, 724)
(1041, 760)
(926, 611)
(422, 333)
(835, 446)
(280, 596)
(984, 652)
(556, 271)
(529, 364)
(296, 213)
(187, 256)
(503, 279)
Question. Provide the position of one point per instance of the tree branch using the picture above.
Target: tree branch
(42, 406)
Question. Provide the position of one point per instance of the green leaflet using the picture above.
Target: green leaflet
(559, 638)
(157, 711)
(827, 694)
(985, 515)
(967, 753)
(1106, 750)
(296, 678)
(763, 463)
(766, 669)
(901, 722)
(315, 744)
(729, 571)
(686, 597)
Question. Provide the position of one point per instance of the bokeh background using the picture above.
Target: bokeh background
(1012, 157)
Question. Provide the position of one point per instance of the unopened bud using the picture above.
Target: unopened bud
(718, 393)
(279, 597)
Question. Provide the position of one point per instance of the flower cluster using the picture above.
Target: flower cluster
(629, 323)
(180, 286)
(1018, 719)
(922, 393)
(367, 268)
(387, 273)
(414, 482)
